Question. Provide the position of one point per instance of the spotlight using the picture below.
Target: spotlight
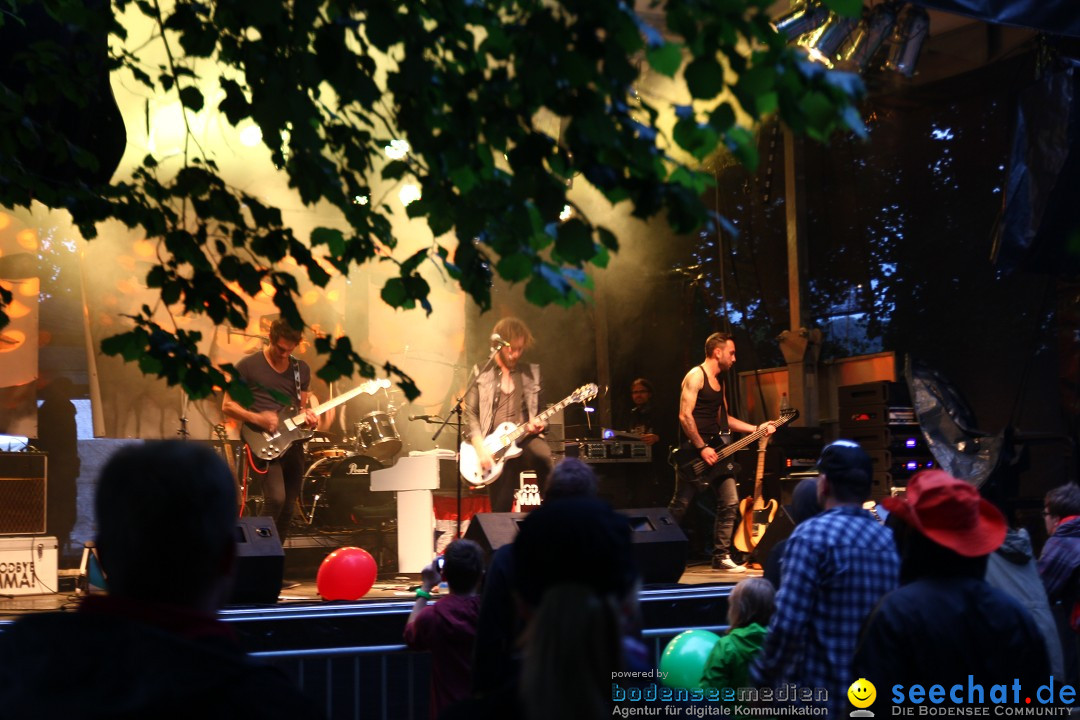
(804, 18)
(907, 40)
(827, 40)
(868, 37)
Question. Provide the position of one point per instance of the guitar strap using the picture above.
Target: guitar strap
(296, 376)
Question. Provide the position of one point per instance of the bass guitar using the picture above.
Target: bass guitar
(268, 446)
(687, 458)
(502, 444)
(756, 513)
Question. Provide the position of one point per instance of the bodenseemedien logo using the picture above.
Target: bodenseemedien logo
(861, 695)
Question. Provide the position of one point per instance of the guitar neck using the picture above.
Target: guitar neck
(369, 387)
(760, 473)
(738, 445)
(542, 417)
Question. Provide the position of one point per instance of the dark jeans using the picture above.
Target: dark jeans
(727, 506)
(281, 488)
(536, 456)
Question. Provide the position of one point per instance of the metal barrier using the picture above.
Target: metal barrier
(387, 682)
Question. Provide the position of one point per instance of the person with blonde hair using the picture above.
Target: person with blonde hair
(750, 607)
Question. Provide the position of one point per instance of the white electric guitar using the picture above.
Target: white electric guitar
(502, 444)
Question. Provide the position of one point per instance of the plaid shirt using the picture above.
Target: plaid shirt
(835, 569)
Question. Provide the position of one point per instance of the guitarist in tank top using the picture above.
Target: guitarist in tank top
(703, 416)
(274, 368)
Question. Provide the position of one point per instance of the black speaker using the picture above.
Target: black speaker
(660, 545)
(493, 530)
(260, 562)
(778, 529)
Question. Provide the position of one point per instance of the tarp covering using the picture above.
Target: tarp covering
(948, 425)
(1058, 18)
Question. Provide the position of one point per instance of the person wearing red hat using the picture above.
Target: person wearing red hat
(946, 625)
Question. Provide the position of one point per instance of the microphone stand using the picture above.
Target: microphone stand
(457, 410)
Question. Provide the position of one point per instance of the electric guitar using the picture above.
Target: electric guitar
(268, 446)
(687, 458)
(502, 444)
(756, 513)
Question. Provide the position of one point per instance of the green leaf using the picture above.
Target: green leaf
(573, 241)
(516, 267)
(847, 8)
(191, 98)
(705, 78)
(665, 59)
(394, 293)
(333, 239)
(722, 117)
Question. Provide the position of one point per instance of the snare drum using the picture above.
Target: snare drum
(377, 435)
(324, 452)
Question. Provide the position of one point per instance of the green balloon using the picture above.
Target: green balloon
(684, 658)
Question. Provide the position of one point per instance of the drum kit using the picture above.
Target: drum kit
(336, 487)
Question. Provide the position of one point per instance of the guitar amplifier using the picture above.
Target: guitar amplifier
(22, 493)
(609, 451)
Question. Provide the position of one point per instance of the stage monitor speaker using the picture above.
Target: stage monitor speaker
(660, 546)
(493, 530)
(778, 529)
(22, 493)
(260, 562)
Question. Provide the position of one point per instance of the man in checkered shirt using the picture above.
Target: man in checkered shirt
(836, 567)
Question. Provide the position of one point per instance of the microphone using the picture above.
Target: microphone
(427, 418)
(497, 341)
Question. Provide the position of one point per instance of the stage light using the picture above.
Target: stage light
(910, 442)
(907, 40)
(824, 44)
(805, 18)
(868, 37)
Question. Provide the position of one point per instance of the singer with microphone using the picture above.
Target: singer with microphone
(508, 391)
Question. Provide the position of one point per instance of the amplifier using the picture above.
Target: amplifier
(857, 417)
(609, 451)
(881, 392)
(22, 493)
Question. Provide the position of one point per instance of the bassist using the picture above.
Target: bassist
(274, 368)
(509, 391)
(703, 416)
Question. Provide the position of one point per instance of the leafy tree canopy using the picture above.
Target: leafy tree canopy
(331, 83)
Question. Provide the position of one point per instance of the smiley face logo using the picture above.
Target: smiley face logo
(862, 693)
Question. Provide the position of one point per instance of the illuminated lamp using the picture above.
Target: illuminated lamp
(868, 37)
(907, 40)
(804, 18)
(824, 44)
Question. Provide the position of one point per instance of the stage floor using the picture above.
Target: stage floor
(302, 589)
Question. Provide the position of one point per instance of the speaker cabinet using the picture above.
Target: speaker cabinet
(660, 546)
(778, 529)
(493, 530)
(22, 493)
(260, 562)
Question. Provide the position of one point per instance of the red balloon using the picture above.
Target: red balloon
(346, 574)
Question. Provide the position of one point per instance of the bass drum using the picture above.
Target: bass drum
(336, 492)
(377, 436)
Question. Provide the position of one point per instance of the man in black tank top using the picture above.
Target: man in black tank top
(703, 415)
